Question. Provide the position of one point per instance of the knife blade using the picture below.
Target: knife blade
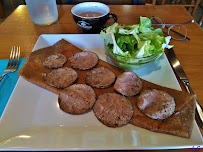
(183, 78)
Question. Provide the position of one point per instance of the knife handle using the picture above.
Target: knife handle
(187, 86)
(199, 113)
(199, 110)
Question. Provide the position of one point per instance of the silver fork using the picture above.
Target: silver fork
(13, 61)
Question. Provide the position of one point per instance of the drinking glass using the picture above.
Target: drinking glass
(42, 12)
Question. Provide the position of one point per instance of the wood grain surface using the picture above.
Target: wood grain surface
(19, 30)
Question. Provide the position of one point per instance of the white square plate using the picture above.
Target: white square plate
(32, 119)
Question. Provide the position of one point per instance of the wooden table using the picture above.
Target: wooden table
(19, 30)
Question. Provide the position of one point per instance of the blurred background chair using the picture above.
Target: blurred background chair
(201, 20)
(12, 5)
(190, 5)
(110, 2)
(2, 13)
(193, 6)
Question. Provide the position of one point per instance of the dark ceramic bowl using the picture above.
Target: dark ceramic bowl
(92, 24)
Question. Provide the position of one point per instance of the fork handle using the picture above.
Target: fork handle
(2, 76)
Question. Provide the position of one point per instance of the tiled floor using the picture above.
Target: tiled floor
(8, 9)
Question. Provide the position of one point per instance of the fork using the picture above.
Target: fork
(13, 61)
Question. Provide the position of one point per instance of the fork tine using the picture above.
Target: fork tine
(15, 57)
(18, 56)
(12, 56)
(10, 59)
(11, 52)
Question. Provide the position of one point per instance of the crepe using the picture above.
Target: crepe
(179, 124)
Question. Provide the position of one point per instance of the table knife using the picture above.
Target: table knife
(183, 78)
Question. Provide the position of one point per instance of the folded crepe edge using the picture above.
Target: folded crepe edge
(58, 47)
(181, 123)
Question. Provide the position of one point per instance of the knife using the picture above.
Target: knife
(183, 78)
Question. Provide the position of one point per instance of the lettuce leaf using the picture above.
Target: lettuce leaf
(136, 41)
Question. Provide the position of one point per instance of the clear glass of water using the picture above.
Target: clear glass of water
(42, 12)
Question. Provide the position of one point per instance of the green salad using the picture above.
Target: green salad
(135, 41)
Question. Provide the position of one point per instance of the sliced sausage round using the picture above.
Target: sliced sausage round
(55, 61)
(156, 104)
(84, 60)
(77, 99)
(61, 78)
(128, 84)
(100, 77)
(113, 110)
